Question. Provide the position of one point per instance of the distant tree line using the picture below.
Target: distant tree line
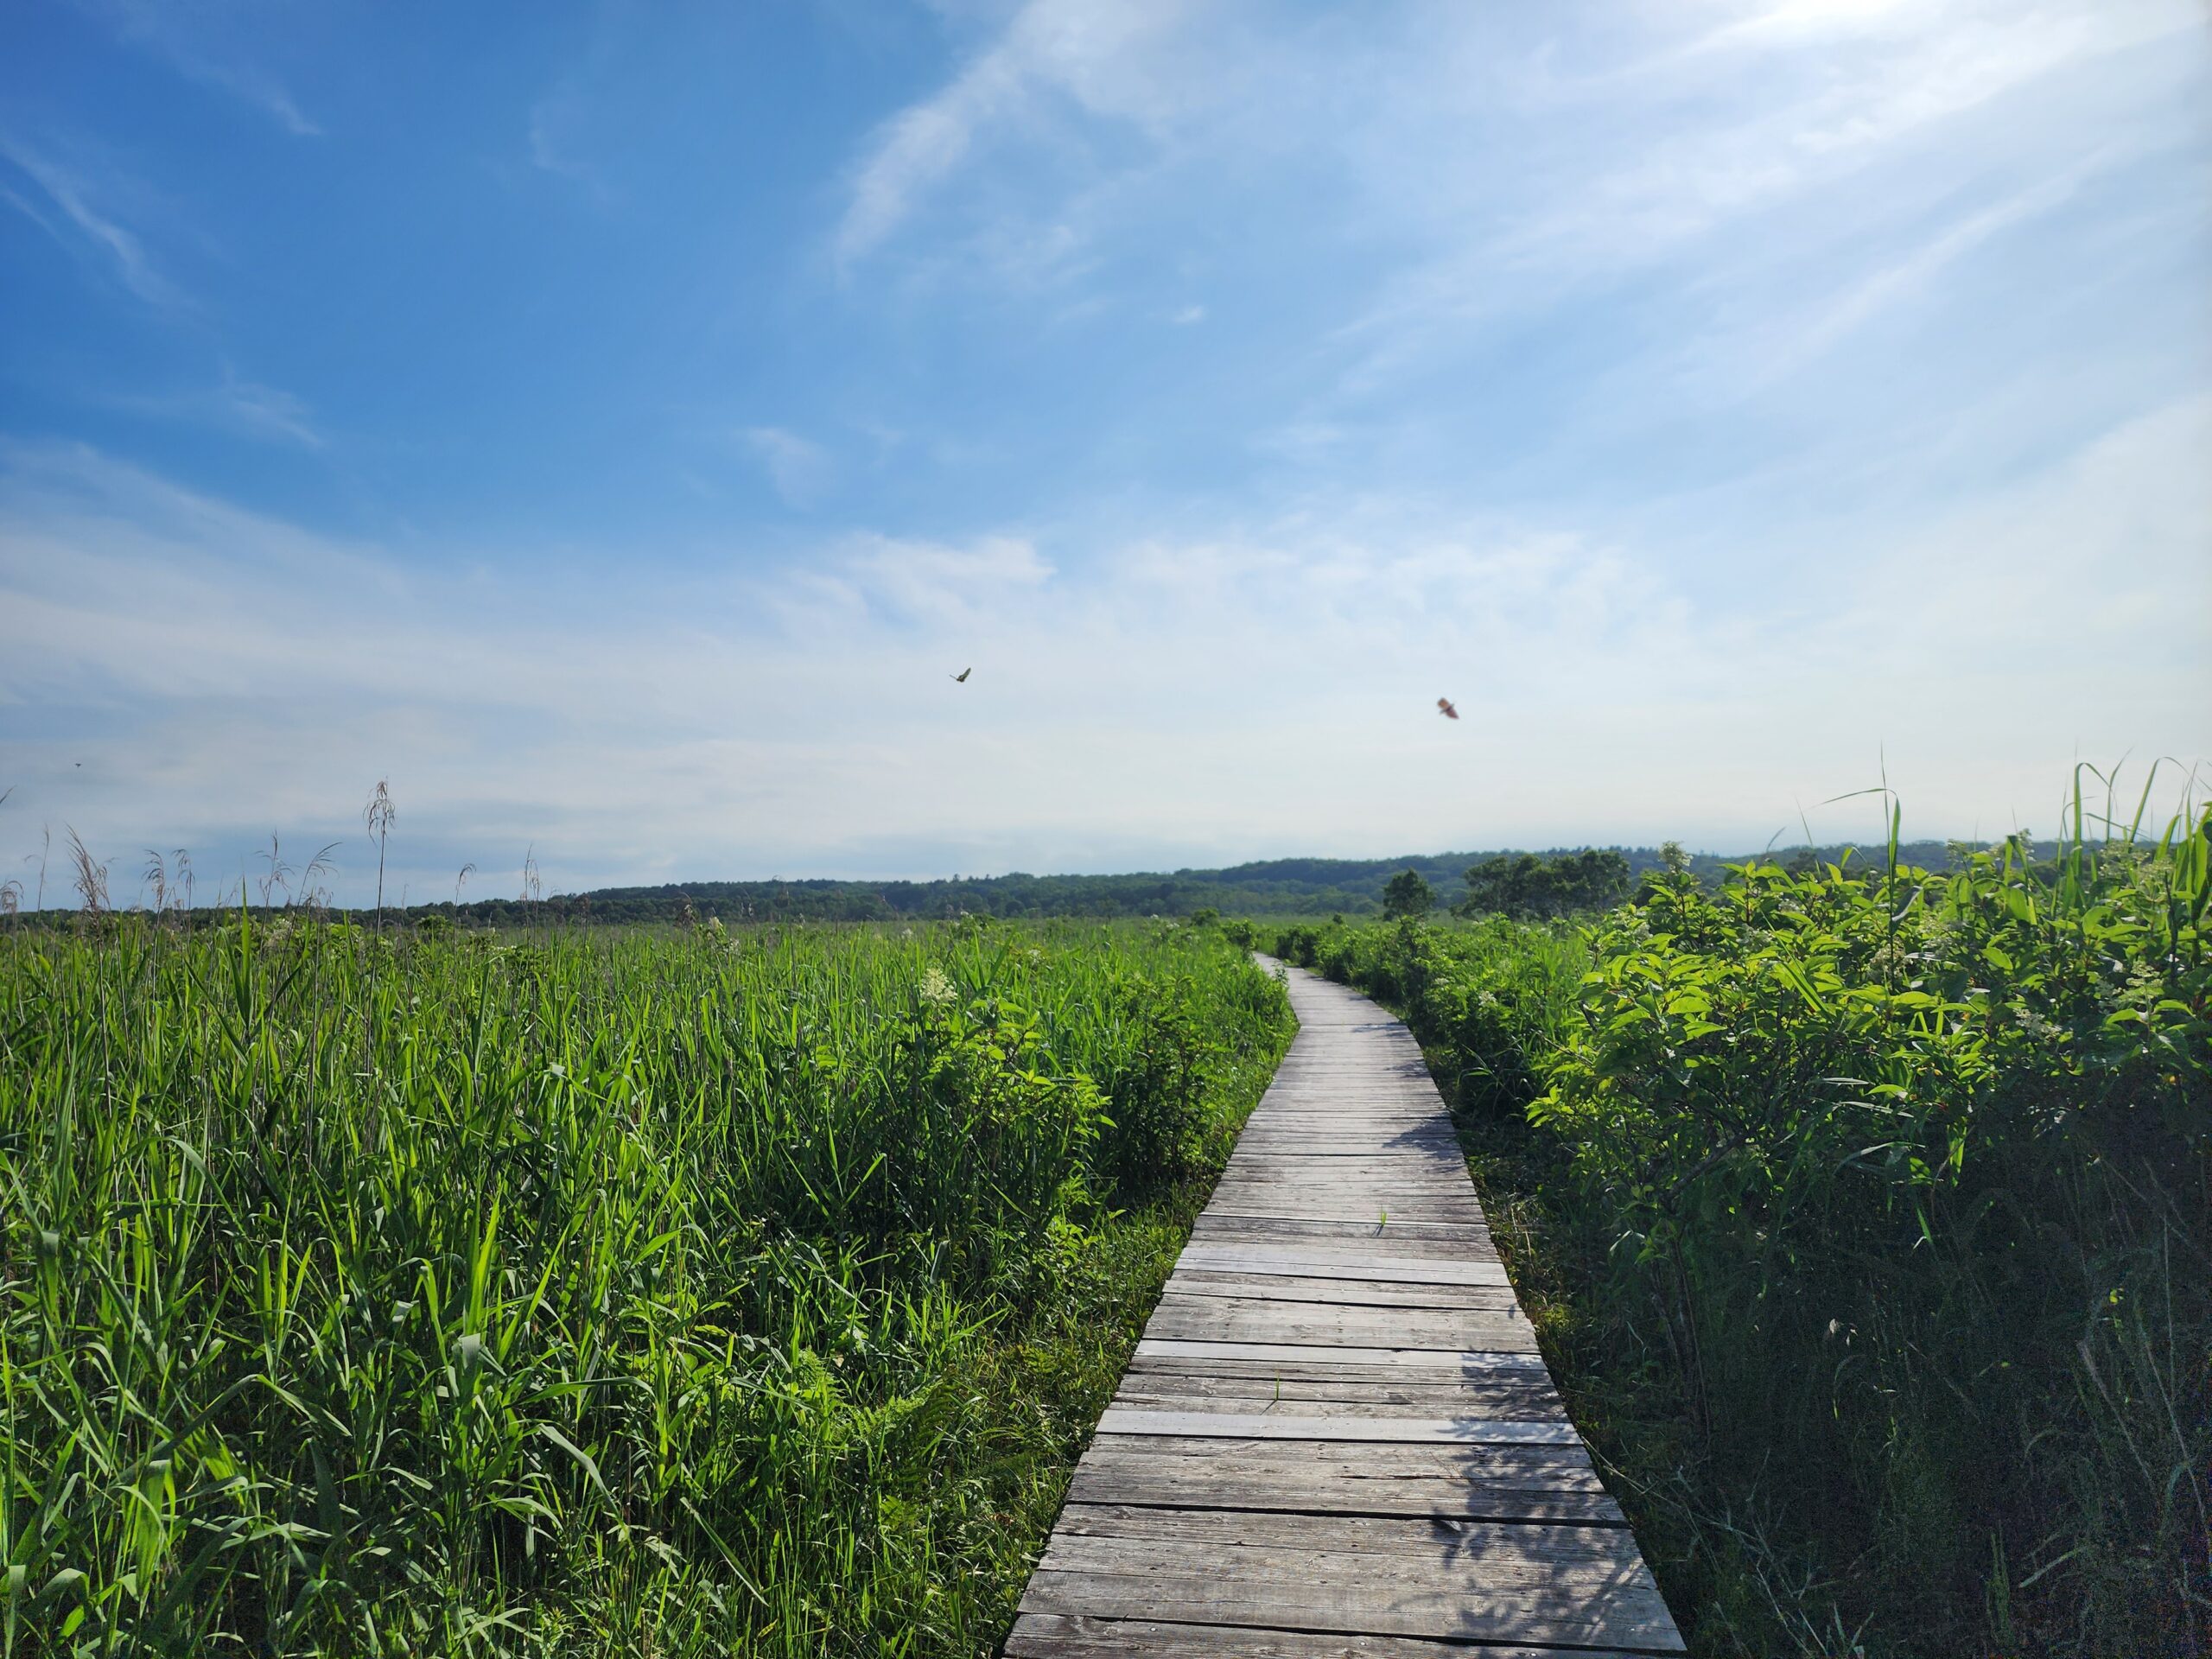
(1520, 883)
(1513, 883)
(1543, 887)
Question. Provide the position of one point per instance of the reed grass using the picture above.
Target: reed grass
(586, 1292)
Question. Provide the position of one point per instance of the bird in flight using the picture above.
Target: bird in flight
(1444, 708)
(960, 678)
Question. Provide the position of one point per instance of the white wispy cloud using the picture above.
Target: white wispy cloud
(1253, 689)
(89, 229)
(799, 468)
(1099, 54)
(175, 34)
(931, 581)
(551, 149)
(1745, 144)
(1738, 356)
(245, 407)
(1512, 160)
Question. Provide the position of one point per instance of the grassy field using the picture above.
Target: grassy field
(1867, 1216)
(581, 1293)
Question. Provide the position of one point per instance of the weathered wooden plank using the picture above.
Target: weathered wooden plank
(1198, 1590)
(1294, 1425)
(1430, 1558)
(1061, 1636)
(1423, 1130)
(1347, 1158)
(1392, 1222)
(1508, 1390)
(1520, 1391)
(1308, 1129)
(1397, 1232)
(1450, 1361)
(1606, 1551)
(1418, 1146)
(1383, 1153)
(1495, 1482)
(1339, 1150)
(1440, 1592)
(1356, 1293)
(1350, 1154)
(1334, 1171)
(1423, 1240)
(1317, 1135)
(1055, 1635)
(1221, 1225)
(1283, 1398)
(1380, 1203)
(1321, 1176)
(1380, 1207)
(1428, 1131)
(1222, 1318)
(1312, 1264)
(1316, 1180)
(1306, 1174)
(1323, 1173)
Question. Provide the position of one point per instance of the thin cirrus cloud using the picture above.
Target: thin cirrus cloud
(1782, 119)
(1105, 59)
(1543, 162)
(268, 414)
(551, 147)
(81, 227)
(165, 32)
(61, 200)
(797, 468)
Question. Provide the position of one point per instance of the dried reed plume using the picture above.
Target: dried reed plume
(380, 815)
(91, 880)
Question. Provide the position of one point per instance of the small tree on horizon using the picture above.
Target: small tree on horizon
(1409, 894)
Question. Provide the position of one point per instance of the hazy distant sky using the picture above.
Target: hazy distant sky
(615, 425)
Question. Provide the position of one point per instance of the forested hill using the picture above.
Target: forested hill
(1281, 886)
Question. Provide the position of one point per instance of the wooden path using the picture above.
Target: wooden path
(1337, 1436)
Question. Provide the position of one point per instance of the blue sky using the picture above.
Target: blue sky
(614, 424)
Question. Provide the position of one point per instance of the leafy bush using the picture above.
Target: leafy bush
(1897, 1186)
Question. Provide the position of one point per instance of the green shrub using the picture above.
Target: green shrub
(1874, 1216)
(1907, 1174)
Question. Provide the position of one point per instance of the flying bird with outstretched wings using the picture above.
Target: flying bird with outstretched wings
(1444, 708)
(960, 678)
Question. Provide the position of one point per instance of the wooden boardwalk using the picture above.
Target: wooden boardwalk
(1337, 1436)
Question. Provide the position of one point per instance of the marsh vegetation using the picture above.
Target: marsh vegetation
(577, 1292)
(1867, 1213)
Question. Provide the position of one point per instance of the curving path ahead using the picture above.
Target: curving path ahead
(1337, 1436)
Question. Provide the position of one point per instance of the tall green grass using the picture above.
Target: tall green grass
(1869, 1214)
(691, 1293)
